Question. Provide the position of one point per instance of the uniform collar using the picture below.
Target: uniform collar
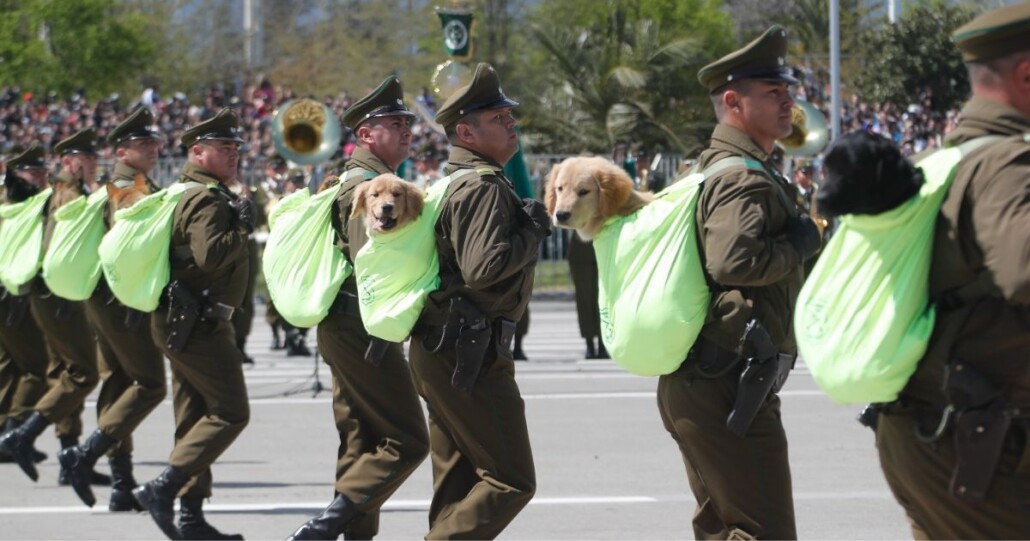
(464, 158)
(365, 159)
(66, 177)
(124, 171)
(982, 116)
(195, 173)
(726, 137)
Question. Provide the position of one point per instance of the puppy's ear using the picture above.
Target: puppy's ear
(615, 186)
(357, 204)
(415, 200)
(550, 197)
(112, 190)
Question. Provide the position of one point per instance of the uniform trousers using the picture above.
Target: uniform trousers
(919, 474)
(131, 367)
(739, 483)
(483, 472)
(73, 371)
(209, 397)
(383, 434)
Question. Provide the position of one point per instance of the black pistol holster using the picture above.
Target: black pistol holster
(765, 370)
(183, 313)
(982, 420)
(470, 329)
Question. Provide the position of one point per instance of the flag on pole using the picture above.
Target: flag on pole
(457, 32)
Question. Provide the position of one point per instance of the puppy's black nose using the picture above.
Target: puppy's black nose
(562, 216)
(387, 208)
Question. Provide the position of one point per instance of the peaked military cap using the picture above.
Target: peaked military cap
(386, 100)
(83, 142)
(137, 126)
(995, 34)
(765, 58)
(32, 157)
(225, 126)
(484, 92)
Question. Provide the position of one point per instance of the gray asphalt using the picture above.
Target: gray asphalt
(606, 469)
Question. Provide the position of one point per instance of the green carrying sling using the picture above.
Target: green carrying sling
(303, 268)
(652, 292)
(396, 271)
(71, 266)
(134, 253)
(863, 318)
(21, 240)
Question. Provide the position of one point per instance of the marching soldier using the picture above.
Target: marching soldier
(583, 267)
(131, 365)
(383, 436)
(957, 460)
(66, 331)
(20, 337)
(753, 241)
(488, 240)
(192, 326)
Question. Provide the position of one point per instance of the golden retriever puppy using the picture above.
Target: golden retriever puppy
(387, 202)
(581, 193)
(121, 198)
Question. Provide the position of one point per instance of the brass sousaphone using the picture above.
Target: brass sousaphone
(306, 132)
(810, 133)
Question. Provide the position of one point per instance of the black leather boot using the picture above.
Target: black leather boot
(591, 352)
(277, 341)
(19, 443)
(295, 344)
(330, 523)
(158, 498)
(5, 458)
(602, 353)
(64, 478)
(78, 461)
(122, 483)
(192, 524)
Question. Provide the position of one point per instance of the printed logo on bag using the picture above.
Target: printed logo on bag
(607, 330)
(366, 292)
(815, 317)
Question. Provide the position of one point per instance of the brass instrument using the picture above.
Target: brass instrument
(306, 132)
(809, 135)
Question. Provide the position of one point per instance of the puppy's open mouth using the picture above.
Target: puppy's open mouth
(384, 223)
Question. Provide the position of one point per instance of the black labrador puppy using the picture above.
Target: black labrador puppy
(865, 173)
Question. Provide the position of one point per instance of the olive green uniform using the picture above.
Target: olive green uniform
(583, 266)
(483, 472)
(131, 365)
(208, 252)
(383, 435)
(981, 231)
(70, 340)
(754, 272)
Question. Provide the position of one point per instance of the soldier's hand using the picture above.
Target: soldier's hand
(537, 212)
(804, 235)
(246, 213)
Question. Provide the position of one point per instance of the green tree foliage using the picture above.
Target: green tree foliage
(62, 45)
(615, 76)
(916, 57)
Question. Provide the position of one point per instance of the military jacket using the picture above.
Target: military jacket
(209, 245)
(753, 270)
(351, 235)
(983, 231)
(488, 247)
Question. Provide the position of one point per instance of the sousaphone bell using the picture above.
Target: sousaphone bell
(306, 132)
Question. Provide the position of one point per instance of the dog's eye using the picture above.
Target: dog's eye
(558, 189)
(375, 194)
(583, 192)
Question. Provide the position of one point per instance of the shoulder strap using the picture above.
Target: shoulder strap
(732, 162)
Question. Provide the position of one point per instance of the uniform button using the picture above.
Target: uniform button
(980, 429)
(962, 490)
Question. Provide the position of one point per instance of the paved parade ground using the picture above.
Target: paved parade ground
(606, 469)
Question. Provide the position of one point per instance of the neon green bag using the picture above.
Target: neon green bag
(652, 292)
(396, 271)
(71, 266)
(863, 318)
(303, 268)
(134, 253)
(21, 240)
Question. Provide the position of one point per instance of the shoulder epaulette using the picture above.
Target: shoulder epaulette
(486, 170)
